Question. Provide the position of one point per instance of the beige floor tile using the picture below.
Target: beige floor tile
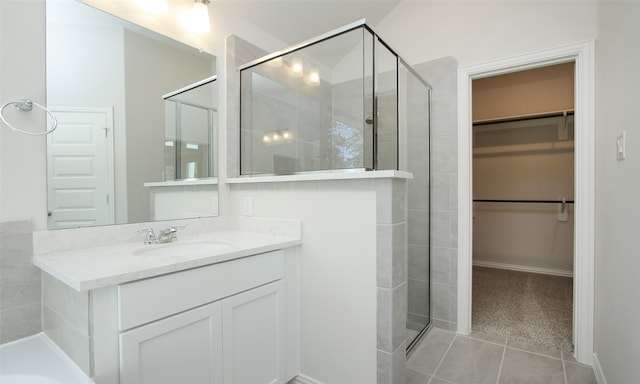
(569, 357)
(415, 377)
(549, 352)
(437, 380)
(579, 373)
(487, 337)
(521, 367)
(431, 350)
(471, 361)
(443, 357)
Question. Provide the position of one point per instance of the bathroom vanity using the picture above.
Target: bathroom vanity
(216, 308)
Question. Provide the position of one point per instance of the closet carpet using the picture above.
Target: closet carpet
(527, 307)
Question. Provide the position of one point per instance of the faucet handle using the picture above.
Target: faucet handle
(168, 234)
(150, 237)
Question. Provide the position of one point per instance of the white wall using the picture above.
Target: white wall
(617, 335)
(172, 24)
(479, 31)
(337, 271)
(22, 76)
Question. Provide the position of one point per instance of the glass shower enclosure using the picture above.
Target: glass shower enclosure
(191, 130)
(345, 102)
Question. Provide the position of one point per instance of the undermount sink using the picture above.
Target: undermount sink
(175, 250)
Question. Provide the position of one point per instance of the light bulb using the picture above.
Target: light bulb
(266, 138)
(296, 67)
(314, 77)
(276, 137)
(200, 16)
(286, 135)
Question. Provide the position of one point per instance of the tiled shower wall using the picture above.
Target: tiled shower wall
(305, 114)
(441, 74)
(238, 52)
(20, 286)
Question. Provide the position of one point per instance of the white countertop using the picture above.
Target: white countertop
(322, 176)
(91, 268)
(183, 182)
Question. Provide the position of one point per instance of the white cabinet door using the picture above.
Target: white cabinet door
(253, 324)
(184, 348)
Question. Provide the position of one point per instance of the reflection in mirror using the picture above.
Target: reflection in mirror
(191, 120)
(106, 79)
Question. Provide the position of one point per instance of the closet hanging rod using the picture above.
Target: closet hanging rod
(568, 112)
(524, 201)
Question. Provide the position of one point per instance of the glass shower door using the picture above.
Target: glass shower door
(415, 99)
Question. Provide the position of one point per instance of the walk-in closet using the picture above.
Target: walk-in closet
(523, 204)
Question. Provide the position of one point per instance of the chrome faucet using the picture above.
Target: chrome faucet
(166, 235)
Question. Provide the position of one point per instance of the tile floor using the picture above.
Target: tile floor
(443, 357)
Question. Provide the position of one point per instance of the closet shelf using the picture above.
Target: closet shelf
(558, 146)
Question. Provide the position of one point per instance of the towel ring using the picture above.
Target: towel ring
(26, 106)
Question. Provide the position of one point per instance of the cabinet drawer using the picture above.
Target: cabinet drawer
(143, 301)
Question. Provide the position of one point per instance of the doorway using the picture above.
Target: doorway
(583, 55)
(523, 196)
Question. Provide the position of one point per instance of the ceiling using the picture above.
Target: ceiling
(294, 21)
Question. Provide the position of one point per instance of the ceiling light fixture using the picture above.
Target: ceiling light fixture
(200, 16)
(282, 136)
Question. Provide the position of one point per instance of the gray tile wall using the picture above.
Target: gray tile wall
(391, 266)
(66, 320)
(441, 74)
(20, 286)
(237, 52)
(326, 124)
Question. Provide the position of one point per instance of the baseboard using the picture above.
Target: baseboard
(523, 268)
(302, 379)
(597, 370)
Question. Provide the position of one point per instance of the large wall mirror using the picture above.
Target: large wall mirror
(137, 113)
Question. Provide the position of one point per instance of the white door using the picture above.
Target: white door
(80, 168)
(184, 348)
(253, 324)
